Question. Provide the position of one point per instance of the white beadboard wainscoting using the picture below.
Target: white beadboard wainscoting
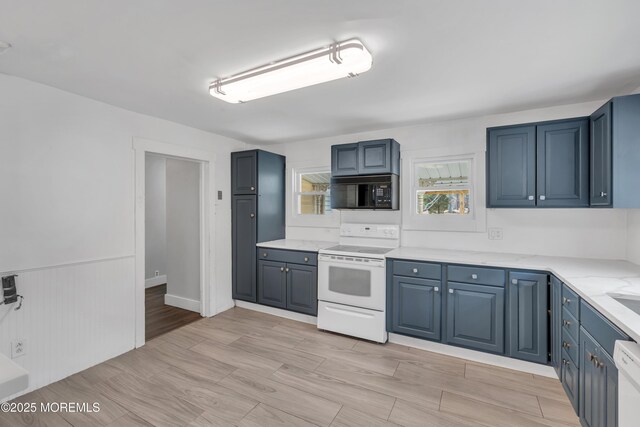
(73, 316)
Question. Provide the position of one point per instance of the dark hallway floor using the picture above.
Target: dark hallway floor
(161, 318)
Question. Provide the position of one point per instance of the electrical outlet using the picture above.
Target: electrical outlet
(157, 273)
(18, 348)
(495, 233)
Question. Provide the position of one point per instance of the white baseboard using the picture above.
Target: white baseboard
(277, 312)
(155, 281)
(180, 302)
(474, 356)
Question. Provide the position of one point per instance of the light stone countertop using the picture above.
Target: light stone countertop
(297, 245)
(592, 279)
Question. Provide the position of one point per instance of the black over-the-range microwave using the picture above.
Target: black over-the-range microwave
(365, 192)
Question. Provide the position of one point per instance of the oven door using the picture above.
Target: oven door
(355, 281)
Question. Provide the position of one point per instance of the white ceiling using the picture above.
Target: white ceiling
(432, 59)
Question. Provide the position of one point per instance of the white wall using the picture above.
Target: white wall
(633, 236)
(597, 233)
(183, 229)
(67, 186)
(155, 216)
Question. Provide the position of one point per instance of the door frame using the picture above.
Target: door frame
(206, 159)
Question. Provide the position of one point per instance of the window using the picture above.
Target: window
(312, 193)
(443, 187)
(443, 191)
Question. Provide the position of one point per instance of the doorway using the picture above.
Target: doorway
(189, 188)
(172, 246)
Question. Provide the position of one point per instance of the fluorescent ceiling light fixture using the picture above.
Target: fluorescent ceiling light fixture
(345, 59)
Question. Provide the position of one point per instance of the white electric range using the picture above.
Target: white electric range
(352, 281)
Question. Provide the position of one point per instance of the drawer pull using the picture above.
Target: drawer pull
(566, 323)
(264, 255)
(281, 268)
(566, 344)
(415, 270)
(603, 194)
(531, 197)
(543, 198)
(514, 281)
(286, 269)
(591, 356)
(450, 291)
(474, 276)
(253, 188)
(565, 300)
(306, 259)
(252, 215)
(436, 289)
(565, 362)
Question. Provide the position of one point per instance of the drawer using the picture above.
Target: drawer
(293, 257)
(479, 275)
(424, 270)
(570, 346)
(601, 329)
(571, 301)
(570, 379)
(570, 324)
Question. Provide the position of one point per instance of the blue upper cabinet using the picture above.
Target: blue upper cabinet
(615, 153)
(539, 165)
(244, 172)
(344, 159)
(563, 164)
(380, 156)
(527, 316)
(511, 168)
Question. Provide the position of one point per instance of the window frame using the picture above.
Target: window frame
(475, 221)
(295, 219)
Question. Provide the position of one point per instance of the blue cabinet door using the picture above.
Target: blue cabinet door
(556, 324)
(302, 288)
(600, 158)
(563, 164)
(244, 172)
(243, 248)
(475, 316)
(416, 307)
(344, 159)
(511, 167)
(272, 284)
(598, 384)
(527, 316)
(378, 156)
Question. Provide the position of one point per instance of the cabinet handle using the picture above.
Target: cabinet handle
(415, 270)
(253, 188)
(565, 300)
(264, 255)
(566, 323)
(603, 194)
(286, 269)
(474, 276)
(531, 197)
(436, 289)
(252, 215)
(599, 363)
(564, 362)
(306, 259)
(514, 281)
(566, 344)
(543, 197)
(450, 291)
(281, 268)
(591, 356)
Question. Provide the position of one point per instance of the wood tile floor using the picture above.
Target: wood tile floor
(243, 368)
(161, 318)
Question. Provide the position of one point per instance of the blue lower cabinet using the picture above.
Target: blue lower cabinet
(527, 316)
(475, 316)
(416, 307)
(272, 284)
(302, 288)
(598, 384)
